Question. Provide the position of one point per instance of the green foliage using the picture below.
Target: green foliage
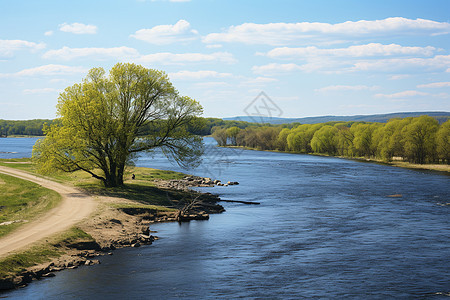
(282, 139)
(362, 141)
(220, 135)
(232, 133)
(29, 127)
(419, 140)
(324, 140)
(101, 122)
(299, 138)
(443, 142)
(267, 137)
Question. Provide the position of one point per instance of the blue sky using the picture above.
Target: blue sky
(310, 57)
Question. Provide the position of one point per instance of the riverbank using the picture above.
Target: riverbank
(121, 219)
(442, 168)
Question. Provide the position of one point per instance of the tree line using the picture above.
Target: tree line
(202, 127)
(417, 140)
(26, 127)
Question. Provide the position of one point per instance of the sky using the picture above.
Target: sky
(310, 58)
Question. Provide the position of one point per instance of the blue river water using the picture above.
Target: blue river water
(326, 228)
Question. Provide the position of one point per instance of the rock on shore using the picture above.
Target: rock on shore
(193, 181)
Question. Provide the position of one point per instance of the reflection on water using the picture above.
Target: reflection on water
(325, 228)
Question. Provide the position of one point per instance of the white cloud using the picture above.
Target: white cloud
(286, 98)
(404, 94)
(339, 88)
(196, 75)
(433, 64)
(167, 34)
(78, 28)
(434, 85)
(212, 84)
(49, 33)
(67, 53)
(59, 80)
(40, 91)
(372, 49)
(442, 95)
(334, 65)
(168, 58)
(295, 33)
(166, 0)
(8, 47)
(259, 81)
(399, 76)
(46, 70)
(214, 46)
(276, 68)
(131, 54)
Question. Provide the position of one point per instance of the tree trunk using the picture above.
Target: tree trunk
(120, 173)
(110, 176)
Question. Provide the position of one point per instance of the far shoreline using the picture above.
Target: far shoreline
(442, 169)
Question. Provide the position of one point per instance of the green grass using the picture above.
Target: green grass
(143, 194)
(148, 174)
(18, 163)
(143, 189)
(41, 253)
(23, 200)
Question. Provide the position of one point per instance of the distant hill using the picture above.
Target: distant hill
(441, 116)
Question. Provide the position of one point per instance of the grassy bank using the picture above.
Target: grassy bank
(22, 201)
(430, 167)
(41, 252)
(117, 219)
(143, 189)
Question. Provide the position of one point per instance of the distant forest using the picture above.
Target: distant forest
(34, 127)
(28, 127)
(418, 140)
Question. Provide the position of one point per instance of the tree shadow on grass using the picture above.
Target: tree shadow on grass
(142, 193)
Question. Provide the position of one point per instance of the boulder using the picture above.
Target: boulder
(232, 183)
(91, 262)
(146, 230)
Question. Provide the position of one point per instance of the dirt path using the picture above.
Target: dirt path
(74, 207)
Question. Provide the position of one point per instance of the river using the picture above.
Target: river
(326, 228)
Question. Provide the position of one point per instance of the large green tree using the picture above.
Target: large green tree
(324, 140)
(443, 142)
(101, 118)
(420, 139)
